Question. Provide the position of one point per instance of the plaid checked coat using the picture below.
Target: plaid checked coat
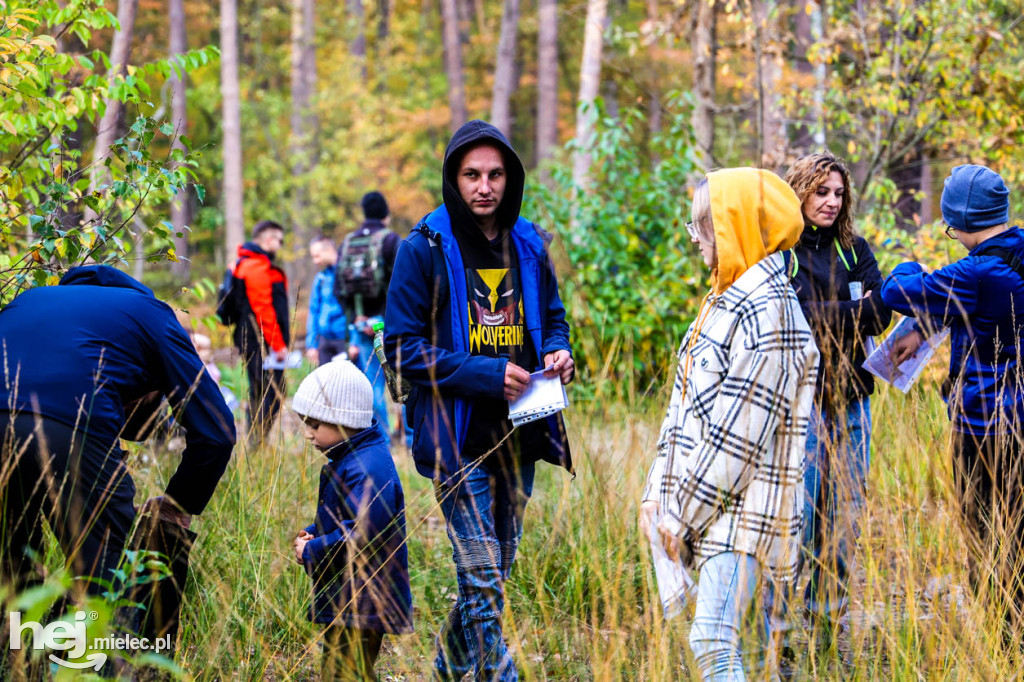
(729, 470)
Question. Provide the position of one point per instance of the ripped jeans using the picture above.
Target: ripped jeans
(484, 515)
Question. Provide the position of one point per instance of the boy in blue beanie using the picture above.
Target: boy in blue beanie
(355, 549)
(979, 298)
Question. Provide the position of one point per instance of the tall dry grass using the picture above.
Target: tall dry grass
(581, 603)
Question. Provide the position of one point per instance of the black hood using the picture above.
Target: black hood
(102, 276)
(470, 135)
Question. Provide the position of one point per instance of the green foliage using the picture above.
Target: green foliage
(49, 218)
(635, 278)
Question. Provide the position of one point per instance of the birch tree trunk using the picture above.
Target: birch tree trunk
(547, 81)
(234, 219)
(590, 83)
(182, 203)
(106, 132)
(453, 64)
(704, 80)
(357, 29)
(505, 71)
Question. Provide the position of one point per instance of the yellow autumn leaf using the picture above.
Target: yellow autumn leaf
(851, 147)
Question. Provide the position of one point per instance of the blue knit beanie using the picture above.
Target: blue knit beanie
(375, 206)
(975, 197)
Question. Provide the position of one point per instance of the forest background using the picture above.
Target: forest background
(153, 134)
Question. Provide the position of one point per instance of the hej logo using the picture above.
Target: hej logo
(60, 636)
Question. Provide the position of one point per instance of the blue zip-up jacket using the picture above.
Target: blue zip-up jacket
(977, 297)
(426, 326)
(326, 318)
(358, 558)
(79, 352)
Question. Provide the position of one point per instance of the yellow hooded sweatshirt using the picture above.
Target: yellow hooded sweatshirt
(755, 214)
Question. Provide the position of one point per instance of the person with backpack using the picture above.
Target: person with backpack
(326, 326)
(472, 310)
(980, 298)
(259, 297)
(366, 259)
(837, 281)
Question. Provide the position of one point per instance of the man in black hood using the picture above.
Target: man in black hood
(472, 310)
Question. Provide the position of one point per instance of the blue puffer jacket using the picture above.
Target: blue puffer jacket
(977, 297)
(358, 560)
(437, 361)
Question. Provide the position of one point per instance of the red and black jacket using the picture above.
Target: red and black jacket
(265, 304)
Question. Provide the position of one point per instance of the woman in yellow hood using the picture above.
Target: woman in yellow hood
(726, 489)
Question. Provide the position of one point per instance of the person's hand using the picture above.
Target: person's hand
(299, 545)
(905, 347)
(677, 548)
(313, 355)
(353, 352)
(516, 380)
(648, 512)
(561, 364)
(166, 509)
(280, 355)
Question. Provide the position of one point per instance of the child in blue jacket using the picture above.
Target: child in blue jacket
(981, 299)
(355, 549)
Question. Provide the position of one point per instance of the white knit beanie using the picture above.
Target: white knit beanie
(336, 393)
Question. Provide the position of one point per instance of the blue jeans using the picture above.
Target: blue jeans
(375, 373)
(484, 516)
(835, 483)
(727, 611)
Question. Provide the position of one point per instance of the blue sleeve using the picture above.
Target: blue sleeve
(948, 294)
(312, 322)
(408, 330)
(200, 408)
(556, 334)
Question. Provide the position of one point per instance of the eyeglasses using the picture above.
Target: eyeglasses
(691, 229)
(950, 231)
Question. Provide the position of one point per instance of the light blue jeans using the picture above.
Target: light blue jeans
(835, 484)
(484, 515)
(370, 365)
(728, 610)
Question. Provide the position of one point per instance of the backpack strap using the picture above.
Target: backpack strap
(1007, 256)
(436, 260)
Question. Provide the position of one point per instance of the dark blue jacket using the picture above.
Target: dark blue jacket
(78, 352)
(426, 325)
(358, 560)
(435, 353)
(977, 297)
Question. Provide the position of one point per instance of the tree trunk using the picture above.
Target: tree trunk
(181, 204)
(547, 81)
(234, 219)
(590, 83)
(383, 19)
(771, 126)
(505, 71)
(453, 64)
(303, 122)
(357, 29)
(810, 135)
(704, 80)
(106, 133)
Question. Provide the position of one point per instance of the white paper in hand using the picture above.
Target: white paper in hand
(675, 586)
(292, 360)
(542, 397)
(903, 376)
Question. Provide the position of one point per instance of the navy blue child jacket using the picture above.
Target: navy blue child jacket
(358, 558)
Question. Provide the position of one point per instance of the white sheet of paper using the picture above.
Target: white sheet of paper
(904, 376)
(292, 360)
(542, 397)
(675, 586)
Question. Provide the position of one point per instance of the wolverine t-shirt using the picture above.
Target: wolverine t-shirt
(496, 327)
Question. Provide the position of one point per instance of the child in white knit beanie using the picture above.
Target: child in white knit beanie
(355, 549)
